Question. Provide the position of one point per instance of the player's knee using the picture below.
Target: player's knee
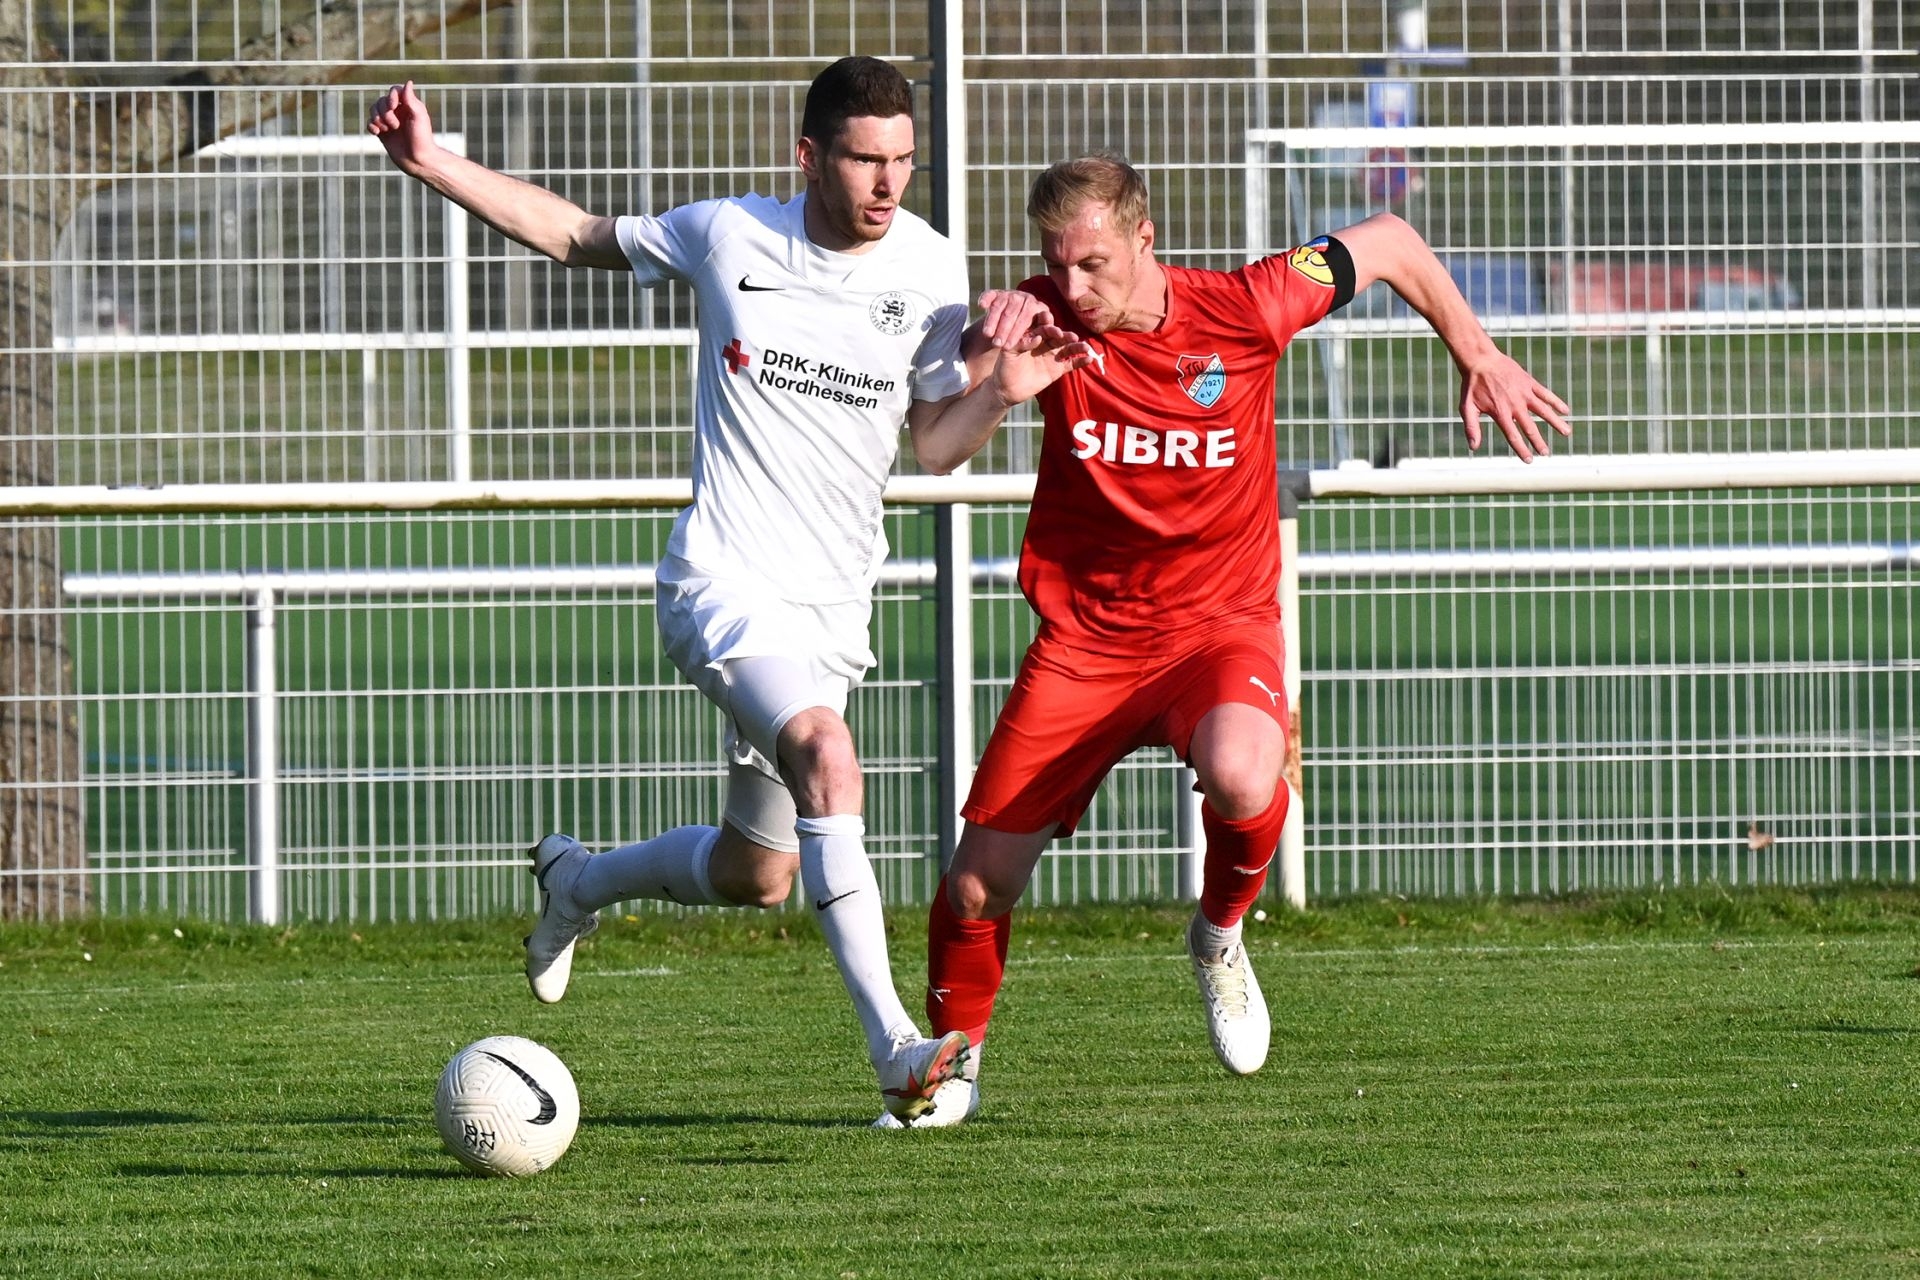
(819, 749)
(1239, 792)
(973, 898)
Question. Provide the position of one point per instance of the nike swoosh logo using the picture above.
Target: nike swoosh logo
(822, 906)
(757, 288)
(548, 1107)
(1254, 871)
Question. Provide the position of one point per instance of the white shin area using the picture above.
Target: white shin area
(840, 885)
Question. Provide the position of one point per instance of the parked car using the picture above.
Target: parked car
(1610, 288)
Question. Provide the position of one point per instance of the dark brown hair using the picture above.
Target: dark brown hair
(855, 86)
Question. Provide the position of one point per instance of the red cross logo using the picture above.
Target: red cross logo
(736, 356)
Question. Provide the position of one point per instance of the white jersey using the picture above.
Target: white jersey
(807, 361)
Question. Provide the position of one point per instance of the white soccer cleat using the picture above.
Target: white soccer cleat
(1236, 1011)
(916, 1069)
(954, 1102)
(557, 863)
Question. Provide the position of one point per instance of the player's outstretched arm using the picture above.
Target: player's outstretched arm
(1492, 383)
(537, 218)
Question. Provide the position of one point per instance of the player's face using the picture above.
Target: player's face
(854, 184)
(1099, 268)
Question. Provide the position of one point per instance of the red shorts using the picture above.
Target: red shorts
(1073, 715)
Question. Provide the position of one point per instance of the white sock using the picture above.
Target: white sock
(1210, 941)
(846, 901)
(671, 867)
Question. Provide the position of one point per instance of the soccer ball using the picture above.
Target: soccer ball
(506, 1107)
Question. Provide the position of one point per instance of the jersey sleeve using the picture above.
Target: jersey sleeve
(1042, 288)
(668, 246)
(1302, 286)
(939, 370)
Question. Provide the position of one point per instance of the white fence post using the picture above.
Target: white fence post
(952, 521)
(263, 761)
(1656, 387)
(1190, 833)
(953, 621)
(1290, 859)
(459, 343)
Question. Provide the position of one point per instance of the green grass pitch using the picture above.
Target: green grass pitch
(1696, 1084)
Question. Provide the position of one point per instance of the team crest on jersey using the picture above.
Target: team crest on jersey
(891, 313)
(1203, 378)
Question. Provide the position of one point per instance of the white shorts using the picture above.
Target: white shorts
(761, 660)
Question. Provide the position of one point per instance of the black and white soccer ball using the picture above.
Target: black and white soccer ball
(506, 1107)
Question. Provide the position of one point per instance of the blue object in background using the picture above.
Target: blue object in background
(1496, 284)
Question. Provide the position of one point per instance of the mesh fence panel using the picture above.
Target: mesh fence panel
(285, 312)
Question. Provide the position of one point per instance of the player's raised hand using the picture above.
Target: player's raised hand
(399, 119)
(1011, 318)
(1036, 362)
(1501, 389)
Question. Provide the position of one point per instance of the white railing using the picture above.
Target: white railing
(1559, 473)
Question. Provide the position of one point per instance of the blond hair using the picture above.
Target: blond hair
(1101, 177)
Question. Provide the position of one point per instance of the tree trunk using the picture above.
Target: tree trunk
(42, 845)
(64, 146)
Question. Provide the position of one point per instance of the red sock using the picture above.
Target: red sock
(966, 960)
(1237, 857)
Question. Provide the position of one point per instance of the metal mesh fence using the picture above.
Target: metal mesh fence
(1748, 717)
(272, 309)
(424, 731)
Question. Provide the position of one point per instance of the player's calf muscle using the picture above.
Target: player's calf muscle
(751, 875)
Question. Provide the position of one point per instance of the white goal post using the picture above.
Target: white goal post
(1565, 229)
(1570, 146)
(457, 339)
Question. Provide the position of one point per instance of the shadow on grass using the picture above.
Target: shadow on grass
(202, 1171)
(348, 1122)
(17, 1123)
(94, 1119)
(716, 1121)
(1855, 1029)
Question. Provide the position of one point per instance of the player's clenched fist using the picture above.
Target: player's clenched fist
(399, 119)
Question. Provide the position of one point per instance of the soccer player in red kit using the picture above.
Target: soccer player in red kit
(1152, 556)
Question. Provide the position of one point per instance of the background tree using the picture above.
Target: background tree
(63, 135)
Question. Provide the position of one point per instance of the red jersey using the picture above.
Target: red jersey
(1156, 507)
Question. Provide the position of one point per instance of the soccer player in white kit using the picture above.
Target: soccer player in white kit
(825, 322)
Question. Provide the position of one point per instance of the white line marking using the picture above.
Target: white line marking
(367, 981)
(1542, 949)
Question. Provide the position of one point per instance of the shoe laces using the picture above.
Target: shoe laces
(1226, 980)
